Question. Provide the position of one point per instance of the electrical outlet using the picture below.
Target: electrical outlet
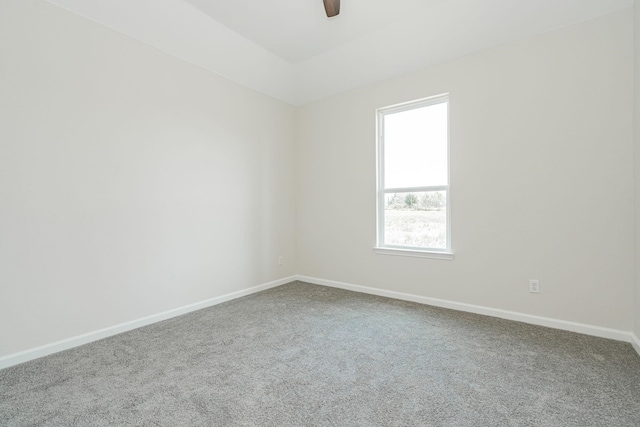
(280, 260)
(534, 286)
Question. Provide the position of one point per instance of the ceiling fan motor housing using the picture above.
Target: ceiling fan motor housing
(332, 7)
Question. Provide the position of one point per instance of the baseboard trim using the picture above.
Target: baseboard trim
(487, 311)
(635, 342)
(66, 344)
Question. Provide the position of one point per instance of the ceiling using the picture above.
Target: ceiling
(297, 30)
(290, 50)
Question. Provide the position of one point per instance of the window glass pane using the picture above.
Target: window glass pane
(415, 147)
(416, 219)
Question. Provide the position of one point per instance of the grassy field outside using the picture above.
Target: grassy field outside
(419, 228)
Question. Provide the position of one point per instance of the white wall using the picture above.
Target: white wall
(131, 182)
(636, 328)
(541, 179)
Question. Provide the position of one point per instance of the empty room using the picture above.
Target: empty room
(320, 213)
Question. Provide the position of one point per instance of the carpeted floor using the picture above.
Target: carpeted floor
(306, 355)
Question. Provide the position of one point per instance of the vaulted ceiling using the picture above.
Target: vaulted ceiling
(290, 50)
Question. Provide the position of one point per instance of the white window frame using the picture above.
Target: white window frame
(381, 247)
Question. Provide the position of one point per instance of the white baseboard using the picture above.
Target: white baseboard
(635, 342)
(45, 350)
(487, 311)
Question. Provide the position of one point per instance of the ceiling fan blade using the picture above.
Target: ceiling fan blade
(332, 7)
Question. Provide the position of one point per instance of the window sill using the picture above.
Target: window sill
(413, 253)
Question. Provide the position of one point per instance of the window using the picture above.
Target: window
(413, 197)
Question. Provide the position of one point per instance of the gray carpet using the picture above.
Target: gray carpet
(306, 355)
